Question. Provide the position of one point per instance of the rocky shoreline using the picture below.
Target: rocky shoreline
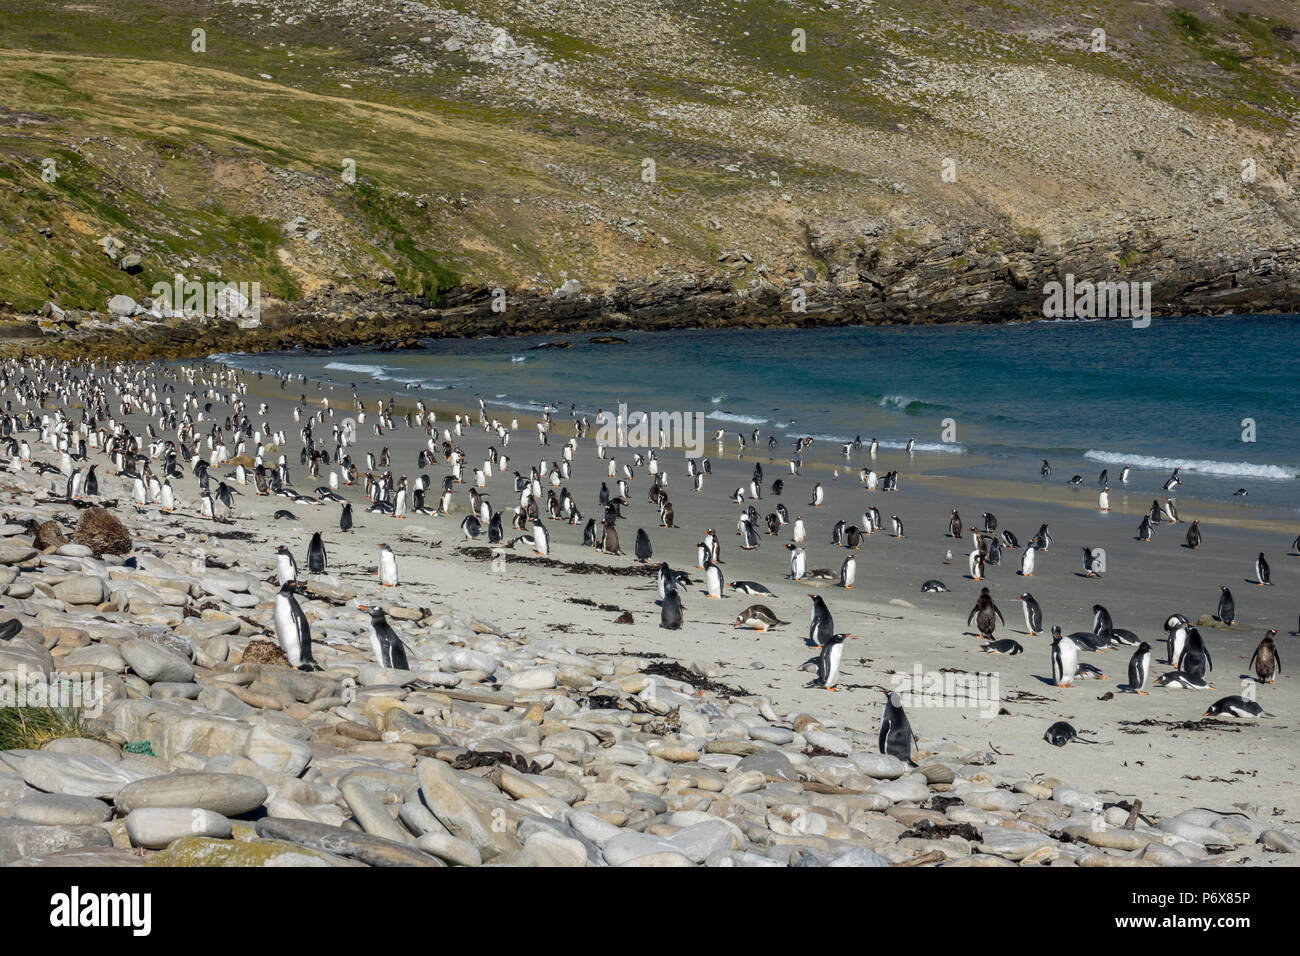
(938, 281)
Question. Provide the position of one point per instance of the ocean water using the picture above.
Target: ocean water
(1085, 395)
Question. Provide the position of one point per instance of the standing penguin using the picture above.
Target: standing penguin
(1027, 561)
(954, 524)
(670, 611)
(897, 524)
(286, 568)
(1195, 660)
(1139, 669)
(1261, 571)
(387, 647)
(292, 630)
(1033, 613)
(1266, 660)
(828, 662)
(1227, 606)
(345, 517)
(316, 554)
(820, 624)
(713, 580)
(986, 615)
(1065, 658)
(387, 567)
(848, 572)
(1194, 535)
(642, 547)
(895, 731)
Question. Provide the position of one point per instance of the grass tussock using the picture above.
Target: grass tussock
(31, 728)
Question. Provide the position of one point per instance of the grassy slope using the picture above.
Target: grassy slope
(195, 161)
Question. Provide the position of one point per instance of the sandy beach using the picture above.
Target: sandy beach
(1151, 751)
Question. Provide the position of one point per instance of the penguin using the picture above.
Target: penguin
(1235, 706)
(798, 562)
(976, 561)
(1046, 469)
(1175, 637)
(286, 568)
(954, 524)
(642, 547)
(1033, 613)
(1261, 571)
(292, 630)
(1177, 680)
(1227, 606)
(670, 611)
(818, 495)
(345, 517)
(387, 567)
(1170, 511)
(1065, 658)
(848, 572)
(1194, 535)
(1103, 499)
(1009, 540)
(1061, 733)
(758, 617)
(1091, 566)
(820, 624)
(798, 534)
(934, 586)
(751, 587)
(387, 647)
(1139, 669)
(895, 731)
(897, 524)
(1027, 561)
(542, 539)
(316, 554)
(713, 580)
(1266, 660)
(1195, 660)
(470, 527)
(1004, 646)
(828, 662)
(1144, 529)
(986, 615)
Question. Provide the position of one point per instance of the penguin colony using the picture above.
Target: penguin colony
(203, 444)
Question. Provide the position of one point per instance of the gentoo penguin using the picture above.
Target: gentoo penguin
(1065, 658)
(387, 567)
(1261, 571)
(1227, 606)
(820, 624)
(642, 547)
(1027, 561)
(848, 572)
(1091, 566)
(1173, 481)
(798, 562)
(895, 730)
(1194, 535)
(670, 611)
(292, 630)
(1139, 669)
(316, 554)
(1175, 637)
(387, 647)
(1103, 499)
(1033, 613)
(954, 524)
(933, 586)
(1046, 469)
(542, 538)
(1170, 511)
(758, 617)
(828, 662)
(1043, 540)
(286, 568)
(818, 495)
(1235, 706)
(1061, 733)
(1144, 529)
(1177, 680)
(1195, 660)
(1004, 646)
(751, 587)
(897, 523)
(471, 527)
(797, 533)
(713, 581)
(345, 517)
(986, 615)
(1009, 540)
(1266, 660)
